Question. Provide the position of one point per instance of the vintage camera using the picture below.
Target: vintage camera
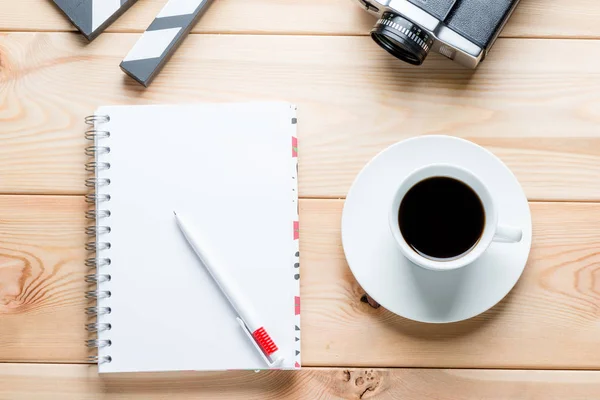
(462, 30)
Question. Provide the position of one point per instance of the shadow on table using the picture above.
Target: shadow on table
(436, 76)
(436, 332)
(245, 384)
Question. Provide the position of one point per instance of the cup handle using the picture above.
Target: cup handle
(508, 234)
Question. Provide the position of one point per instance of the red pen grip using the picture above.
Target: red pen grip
(264, 341)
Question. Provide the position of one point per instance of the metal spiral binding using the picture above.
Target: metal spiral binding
(91, 134)
(98, 343)
(97, 246)
(92, 119)
(94, 262)
(97, 327)
(99, 278)
(97, 230)
(92, 151)
(95, 214)
(97, 294)
(93, 311)
(99, 360)
(94, 166)
(95, 182)
(93, 198)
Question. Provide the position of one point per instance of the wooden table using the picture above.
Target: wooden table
(535, 102)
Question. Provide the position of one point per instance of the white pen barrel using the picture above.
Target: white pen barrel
(221, 276)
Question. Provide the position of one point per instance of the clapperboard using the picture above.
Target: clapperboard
(160, 40)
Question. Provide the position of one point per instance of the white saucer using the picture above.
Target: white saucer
(411, 291)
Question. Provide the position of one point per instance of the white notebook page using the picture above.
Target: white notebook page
(228, 169)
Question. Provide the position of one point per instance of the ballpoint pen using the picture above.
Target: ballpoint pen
(248, 318)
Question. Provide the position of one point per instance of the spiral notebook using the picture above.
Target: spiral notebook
(232, 170)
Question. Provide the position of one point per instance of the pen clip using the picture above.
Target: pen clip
(272, 364)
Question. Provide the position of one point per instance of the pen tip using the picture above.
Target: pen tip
(174, 213)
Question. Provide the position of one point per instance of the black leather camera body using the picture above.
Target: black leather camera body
(462, 30)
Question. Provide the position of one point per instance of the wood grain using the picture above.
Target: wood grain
(551, 319)
(534, 103)
(533, 18)
(79, 382)
(536, 109)
(41, 278)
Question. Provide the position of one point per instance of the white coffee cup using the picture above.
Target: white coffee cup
(492, 231)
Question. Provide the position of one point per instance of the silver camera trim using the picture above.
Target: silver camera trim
(445, 41)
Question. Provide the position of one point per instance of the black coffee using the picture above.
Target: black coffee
(441, 217)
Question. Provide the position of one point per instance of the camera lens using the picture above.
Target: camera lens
(402, 39)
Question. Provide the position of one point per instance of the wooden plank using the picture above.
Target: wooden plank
(535, 108)
(41, 278)
(533, 18)
(551, 319)
(80, 382)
